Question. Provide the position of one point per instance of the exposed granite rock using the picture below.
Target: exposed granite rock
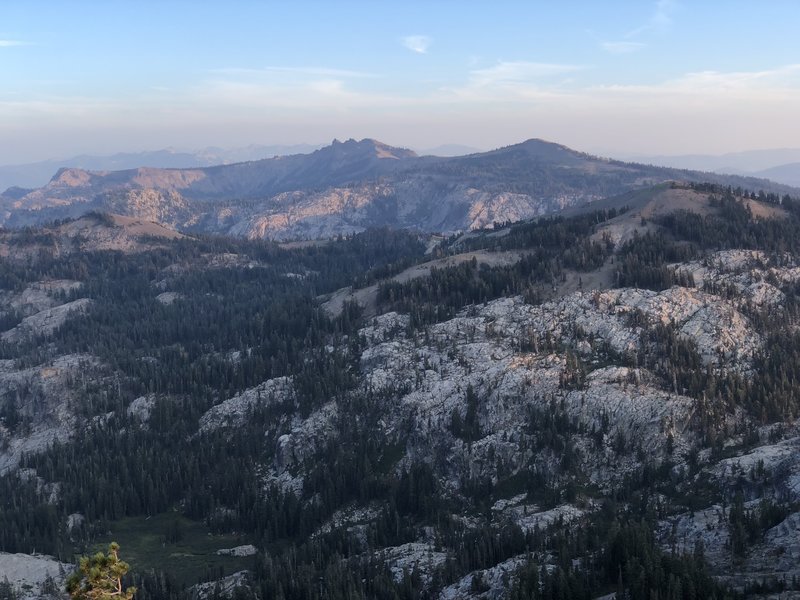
(226, 586)
(35, 576)
(141, 407)
(245, 550)
(43, 395)
(38, 296)
(45, 321)
(497, 580)
(421, 557)
(167, 298)
(233, 411)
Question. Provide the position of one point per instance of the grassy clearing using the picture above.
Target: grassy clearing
(172, 543)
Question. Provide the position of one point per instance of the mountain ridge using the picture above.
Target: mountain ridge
(38, 173)
(348, 186)
(781, 165)
(788, 173)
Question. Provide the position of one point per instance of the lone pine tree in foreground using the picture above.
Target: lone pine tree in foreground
(99, 577)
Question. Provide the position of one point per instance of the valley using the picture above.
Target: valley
(399, 301)
(557, 407)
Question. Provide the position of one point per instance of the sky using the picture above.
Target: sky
(610, 77)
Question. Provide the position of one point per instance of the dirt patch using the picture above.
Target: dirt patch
(674, 199)
(645, 209)
(137, 227)
(762, 210)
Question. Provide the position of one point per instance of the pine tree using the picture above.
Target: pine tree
(100, 577)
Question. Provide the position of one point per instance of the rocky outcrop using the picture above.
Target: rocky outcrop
(46, 321)
(238, 551)
(141, 407)
(167, 298)
(35, 576)
(38, 296)
(485, 583)
(419, 557)
(43, 397)
(235, 410)
(225, 586)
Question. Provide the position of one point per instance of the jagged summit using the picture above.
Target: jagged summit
(369, 146)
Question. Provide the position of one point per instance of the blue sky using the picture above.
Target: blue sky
(616, 77)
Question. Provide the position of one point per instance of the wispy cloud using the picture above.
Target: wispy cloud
(714, 87)
(513, 72)
(306, 71)
(510, 82)
(661, 19)
(625, 47)
(315, 88)
(417, 43)
(531, 85)
(58, 109)
(291, 88)
(12, 43)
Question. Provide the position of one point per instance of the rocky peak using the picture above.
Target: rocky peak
(366, 148)
(540, 150)
(71, 177)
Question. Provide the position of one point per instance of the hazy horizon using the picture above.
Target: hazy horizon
(302, 147)
(617, 79)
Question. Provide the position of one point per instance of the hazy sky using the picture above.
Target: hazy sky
(667, 76)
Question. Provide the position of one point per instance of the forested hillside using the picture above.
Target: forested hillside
(610, 409)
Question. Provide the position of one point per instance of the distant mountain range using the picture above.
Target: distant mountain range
(779, 165)
(349, 186)
(788, 174)
(37, 174)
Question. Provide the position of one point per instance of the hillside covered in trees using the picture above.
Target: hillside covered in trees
(610, 408)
